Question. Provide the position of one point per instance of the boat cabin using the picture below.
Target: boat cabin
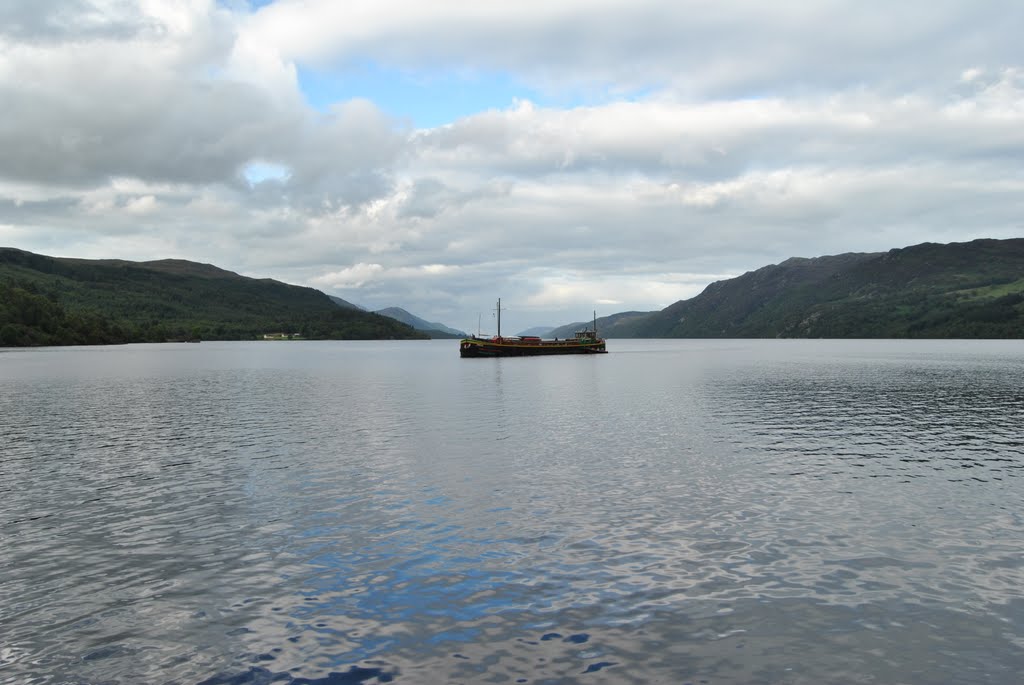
(585, 334)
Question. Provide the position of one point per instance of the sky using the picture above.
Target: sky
(565, 156)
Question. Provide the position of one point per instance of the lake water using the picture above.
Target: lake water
(701, 512)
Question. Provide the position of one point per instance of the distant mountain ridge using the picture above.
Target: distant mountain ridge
(432, 328)
(539, 331)
(959, 290)
(177, 267)
(611, 326)
(345, 304)
(56, 301)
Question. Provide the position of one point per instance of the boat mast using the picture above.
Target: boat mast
(595, 323)
(499, 317)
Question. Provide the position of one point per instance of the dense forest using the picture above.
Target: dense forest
(61, 301)
(959, 290)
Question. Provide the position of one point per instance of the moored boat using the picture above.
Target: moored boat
(585, 341)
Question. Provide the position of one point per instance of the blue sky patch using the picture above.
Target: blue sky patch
(427, 98)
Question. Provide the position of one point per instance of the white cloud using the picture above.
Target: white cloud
(696, 48)
(699, 142)
(145, 204)
(352, 277)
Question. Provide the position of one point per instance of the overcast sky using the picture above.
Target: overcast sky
(564, 155)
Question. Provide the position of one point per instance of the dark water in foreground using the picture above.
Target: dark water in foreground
(674, 512)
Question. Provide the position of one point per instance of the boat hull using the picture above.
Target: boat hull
(477, 347)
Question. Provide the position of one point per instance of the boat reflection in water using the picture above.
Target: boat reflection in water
(583, 342)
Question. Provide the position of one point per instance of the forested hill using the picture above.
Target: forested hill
(615, 326)
(56, 301)
(959, 290)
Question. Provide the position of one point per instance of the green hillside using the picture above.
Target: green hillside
(54, 301)
(960, 290)
(619, 325)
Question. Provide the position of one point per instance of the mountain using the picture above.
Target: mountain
(539, 331)
(434, 329)
(53, 301)
(613, 326)
(345, 304)
(959, 290)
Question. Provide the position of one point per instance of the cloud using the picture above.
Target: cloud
(660, 146)
(353, 277)
(128, 102)
(695, 48)
(73, 19)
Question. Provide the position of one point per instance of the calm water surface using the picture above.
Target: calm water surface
(700, 512)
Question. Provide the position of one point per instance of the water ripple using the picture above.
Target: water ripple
(703, 512)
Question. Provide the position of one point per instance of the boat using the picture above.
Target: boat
(584, 341)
